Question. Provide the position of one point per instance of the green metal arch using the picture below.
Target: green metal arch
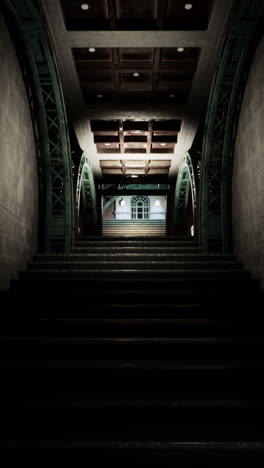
(86, 189)
(221, 122)
(109, 201)
(184, 184)
(52, 139)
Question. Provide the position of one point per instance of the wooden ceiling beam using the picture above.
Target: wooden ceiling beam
(123, 164)
(116, 77)
(147, 166)
(155, 73)
(135, 167)
(163, 85)
(149, 136)
(121, 136)
(167, 66)
(161, 13)
(111, 4)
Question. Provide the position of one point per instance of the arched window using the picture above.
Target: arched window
(140, 207)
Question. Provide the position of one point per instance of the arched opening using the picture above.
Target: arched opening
(86, 205)
(140, 207)
(185, 199)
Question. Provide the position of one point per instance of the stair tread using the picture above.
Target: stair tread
(133, 345)
(154, 365)
(134, 340)
(160, 446)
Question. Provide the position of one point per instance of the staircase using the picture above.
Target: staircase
(134, 227)
(132, 352)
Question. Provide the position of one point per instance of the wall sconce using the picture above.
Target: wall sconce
(122, 202)
(157, 203)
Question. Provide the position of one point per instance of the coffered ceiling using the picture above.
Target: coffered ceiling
(136, 78)
(102, 15)
(135, 136)
(139, 69)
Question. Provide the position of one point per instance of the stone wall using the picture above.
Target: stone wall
(248, 173)
(18, 167)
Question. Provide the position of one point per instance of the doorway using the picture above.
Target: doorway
(140, 207)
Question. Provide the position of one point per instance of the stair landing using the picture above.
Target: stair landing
(134, 227)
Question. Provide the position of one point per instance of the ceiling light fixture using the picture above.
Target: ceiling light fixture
(84, 6)
(180, 49)
(91, 49)
(99, 95)
(163, 144)
(188, 6)
(136, 74)
(172, 96)
(134, 176)
(107, 144)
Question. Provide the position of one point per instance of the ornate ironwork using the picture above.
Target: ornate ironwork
(108, 200)
(52, 142)
(221, 122)
(86, 189)
(185, 185)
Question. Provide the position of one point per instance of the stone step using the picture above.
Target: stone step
(139, 256)
(99, 376)
(128, 347)
(128, 231)
(157, 296)
(17, 324)
(226, 308)
(144, 273)
(132, 348)
(141, 431)
(183, 451)
(135, 265)
(73, 412)
(139, 249)
(132, 229)
(165, 452)
(134, 221)
(144, 239)
(130, 401)
(121, 242)
(135, 367)
(226, 280)
(139, 296)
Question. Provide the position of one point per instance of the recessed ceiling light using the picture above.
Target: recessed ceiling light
(99, 95)
(163, 144)
(91, 49)
(107, 144)
(172, 95)
(188, 6)
(84, 6)
(180, 49)
(136, 74)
